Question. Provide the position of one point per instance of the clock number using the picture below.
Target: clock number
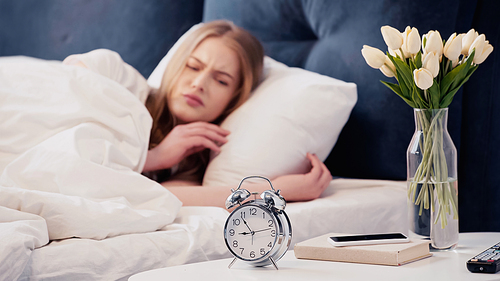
(271, 223)
(231, 232)
(236, 222)
(263, 215)
(235, 243)
(253, 211)
(263, 251)
(270, 244)
(243, 215)
(252, 254)
(273, 233)
(242, 249)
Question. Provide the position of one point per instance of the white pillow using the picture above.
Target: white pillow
(293, 111)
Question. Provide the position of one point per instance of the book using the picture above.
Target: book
(384, 254)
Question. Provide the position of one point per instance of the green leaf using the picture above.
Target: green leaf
(445, 102)
(434, 93)
(403, 72)
(396, 89)
(418, 60)
(448, 98)
(420, 94)
(461, 74)
(420, 103)
(455, 79)
(413, 66)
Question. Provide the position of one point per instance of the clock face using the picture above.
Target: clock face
(251, 232)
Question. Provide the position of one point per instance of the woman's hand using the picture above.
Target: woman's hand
(183, 141)
(303, 187)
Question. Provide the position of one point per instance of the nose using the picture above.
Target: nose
(200, 80)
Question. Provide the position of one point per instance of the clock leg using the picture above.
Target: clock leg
(231, 264)
(272, 261)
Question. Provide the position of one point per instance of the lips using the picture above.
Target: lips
(193, 100)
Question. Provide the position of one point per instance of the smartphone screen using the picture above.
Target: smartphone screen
(367, 239)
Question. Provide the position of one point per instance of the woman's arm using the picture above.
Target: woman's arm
(299, 187)
(183, 141)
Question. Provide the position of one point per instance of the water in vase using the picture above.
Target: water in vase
(438, 222)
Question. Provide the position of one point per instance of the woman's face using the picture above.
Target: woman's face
(207, 82)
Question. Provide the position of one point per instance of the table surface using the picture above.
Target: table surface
(443, 265)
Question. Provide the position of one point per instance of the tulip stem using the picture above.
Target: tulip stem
(437, 188)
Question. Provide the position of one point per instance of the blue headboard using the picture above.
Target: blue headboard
(142, 32)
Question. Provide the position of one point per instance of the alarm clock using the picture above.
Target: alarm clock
(257, 231)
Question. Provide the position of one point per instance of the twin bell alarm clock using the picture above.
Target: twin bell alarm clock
(257, 231)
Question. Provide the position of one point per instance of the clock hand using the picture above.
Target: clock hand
(245, 233)
(245, 222)
(263, 229)
(251, 231)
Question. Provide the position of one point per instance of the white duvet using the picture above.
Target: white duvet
(72, 143)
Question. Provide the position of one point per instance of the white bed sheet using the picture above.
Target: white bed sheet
(347, 206)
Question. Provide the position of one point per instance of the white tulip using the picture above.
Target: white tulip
(453, 47)
(373, 56)
(433, 43)
(483, 49)
(396, 53)
(431, 63)
(423, 78)
(479, 58)
(467, 40)
(388, 69)
(392, 37)
(478, 45)
(411, 41)
(405, 38)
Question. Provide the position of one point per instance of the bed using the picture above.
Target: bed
(74, 204)
(77, 208)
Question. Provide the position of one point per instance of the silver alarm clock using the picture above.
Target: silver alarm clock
(258, 231)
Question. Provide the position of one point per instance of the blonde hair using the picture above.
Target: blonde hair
(250, 54)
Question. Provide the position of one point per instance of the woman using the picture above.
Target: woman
(209, 76)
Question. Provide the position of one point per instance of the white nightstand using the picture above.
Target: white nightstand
(449, 265)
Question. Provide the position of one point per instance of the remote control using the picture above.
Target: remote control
(487, 261)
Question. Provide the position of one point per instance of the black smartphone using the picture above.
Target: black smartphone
(367, 239)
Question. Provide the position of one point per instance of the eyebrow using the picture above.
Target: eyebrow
(218, 71)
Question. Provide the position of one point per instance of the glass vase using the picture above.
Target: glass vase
(432, 180)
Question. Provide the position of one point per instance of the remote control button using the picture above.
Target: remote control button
(488, 256)
(490, 261)
(473, 260)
